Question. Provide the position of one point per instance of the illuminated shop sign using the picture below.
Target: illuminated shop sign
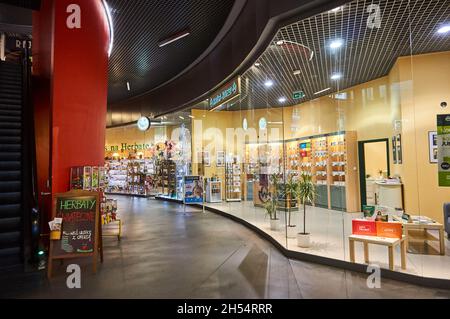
(227, 92)
(127, 147)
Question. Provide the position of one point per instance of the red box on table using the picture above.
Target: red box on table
(364, 227)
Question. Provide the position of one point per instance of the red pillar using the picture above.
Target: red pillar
(70, 67)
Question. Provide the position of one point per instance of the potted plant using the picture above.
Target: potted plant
(271, 204)
(307, 194)
(290, 193)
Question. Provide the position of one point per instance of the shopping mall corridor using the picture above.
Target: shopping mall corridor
(167, 253)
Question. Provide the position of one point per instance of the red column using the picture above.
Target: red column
(70, 53)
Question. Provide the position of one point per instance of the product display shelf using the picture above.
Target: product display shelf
(343, 177)
(305, 162)
(292, 158)
(166, 171)
(320, 164)
(213, 190)
(233, 181)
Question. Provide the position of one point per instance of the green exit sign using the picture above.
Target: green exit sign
(298, 95)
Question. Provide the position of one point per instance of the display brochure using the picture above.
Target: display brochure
(193, 189)
(443, 149)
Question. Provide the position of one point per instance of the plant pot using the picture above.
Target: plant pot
(274, 224)
(303, 240)
(291, 231)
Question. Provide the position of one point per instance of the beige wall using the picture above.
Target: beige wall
(375, 158)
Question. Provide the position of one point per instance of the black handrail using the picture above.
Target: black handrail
(31, 227)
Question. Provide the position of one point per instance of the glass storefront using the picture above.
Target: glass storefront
(330, 142)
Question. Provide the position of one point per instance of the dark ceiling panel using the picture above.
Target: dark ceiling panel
(367, 53)
(138, 27)
(29, 4)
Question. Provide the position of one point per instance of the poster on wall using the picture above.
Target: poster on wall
(220, 158)
(193, 189)
(398, 141)
(394, 150)
(206, 159)
(432, 147)
(443, 149)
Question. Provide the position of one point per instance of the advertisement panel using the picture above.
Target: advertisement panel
(193, 189)
(443, 149)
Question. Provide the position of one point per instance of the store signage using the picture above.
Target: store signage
(193, 189)
(143, 123)
(298, 95)
(443, 149)
(224, 94)
(15, 44)
(127, 147)
(79, 211)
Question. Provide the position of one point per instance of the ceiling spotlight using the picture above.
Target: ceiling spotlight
(128, 86)
(181, 117)
(322, 91)
(192, 116)
(268, 83)
(257, 64)
(336, 76)
(337, 9)
(173, 38)
(444, 29)
(336, 44)
(297, 72)
(282, 99)
(280, 42)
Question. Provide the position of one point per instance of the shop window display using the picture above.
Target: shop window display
(356, 89)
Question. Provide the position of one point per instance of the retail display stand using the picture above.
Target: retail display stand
(80, 229)
(213, 190)
(233, 189)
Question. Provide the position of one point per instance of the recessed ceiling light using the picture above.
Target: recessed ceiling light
(322, 91)
(336, 76)
(268, 83)
(128, 86)
(173, 38)
(335, 44)
(192, 116)
(280, 42)
(297, 72)
(257, 64)
(337, 9)
(444, 29)
(282, 99)
(181, 117)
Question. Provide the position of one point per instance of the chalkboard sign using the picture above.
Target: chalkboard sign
(79, 211)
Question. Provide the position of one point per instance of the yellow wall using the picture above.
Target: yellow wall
(375, 158)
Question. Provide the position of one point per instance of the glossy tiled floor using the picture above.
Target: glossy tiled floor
(166, 253)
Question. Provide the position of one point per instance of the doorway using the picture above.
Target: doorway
(373, 167)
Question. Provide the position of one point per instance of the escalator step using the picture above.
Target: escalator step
(10, 132)
(10, 95)
(10, 186)
(12, 101)
(9, 113)
(15, 125)
(10, 165)
(10, 198)
(11, 210)
(10, 224)
(12, 107)
(10, 239)
(10, 147)
(4, 118)
(10, 156)
(10, 176)
(10, 139)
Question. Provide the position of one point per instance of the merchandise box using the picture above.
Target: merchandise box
(364, 227)
(389, 229)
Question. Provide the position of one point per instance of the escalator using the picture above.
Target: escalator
(17, 192)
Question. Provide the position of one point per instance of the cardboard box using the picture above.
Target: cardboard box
(389, 229)
(364, 227)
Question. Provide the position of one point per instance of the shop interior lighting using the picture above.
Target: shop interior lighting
(268, 83)
(335, 10)
(280, 42)
(128, 86)
(174, 38)
(182, 118)
(322, 91)
(282, 99)
(257, 64)
(444, 29)
(110, 25)
(297, 72)
(336, 44)
(192, 116)
(336, 76)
